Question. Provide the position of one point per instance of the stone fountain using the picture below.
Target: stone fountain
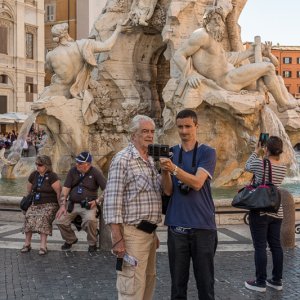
(131, 64)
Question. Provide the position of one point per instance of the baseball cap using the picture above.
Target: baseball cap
(84, 157)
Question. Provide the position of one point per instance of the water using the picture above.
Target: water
(17, 187)
(272, 125)
(17, 147)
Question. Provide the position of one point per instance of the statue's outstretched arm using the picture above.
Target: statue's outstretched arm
(236, 58)
(109, 43)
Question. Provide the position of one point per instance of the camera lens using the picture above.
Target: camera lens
(183, 188)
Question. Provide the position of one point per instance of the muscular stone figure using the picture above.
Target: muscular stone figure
(210, 60)
(72, 61)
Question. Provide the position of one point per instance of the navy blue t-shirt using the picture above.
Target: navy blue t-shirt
(196, 209)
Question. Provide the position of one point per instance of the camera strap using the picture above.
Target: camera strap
(194, 156)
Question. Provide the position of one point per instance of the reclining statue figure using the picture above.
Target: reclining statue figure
(203, 57)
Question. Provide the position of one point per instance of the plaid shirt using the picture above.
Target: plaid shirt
(133, 189)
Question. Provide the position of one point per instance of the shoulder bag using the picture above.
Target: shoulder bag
(261, 197)
(27, 200)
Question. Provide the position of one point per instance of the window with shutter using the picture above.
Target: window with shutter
(3, 104)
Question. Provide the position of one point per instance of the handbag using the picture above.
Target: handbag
(26, 201)
(261, 197)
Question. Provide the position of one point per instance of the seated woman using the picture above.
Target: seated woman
(41, 214)
(265, 227)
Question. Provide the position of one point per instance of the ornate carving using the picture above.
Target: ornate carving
(31, 29)
(31, 2)
(158, 19)
(4, 22)
(117, 6)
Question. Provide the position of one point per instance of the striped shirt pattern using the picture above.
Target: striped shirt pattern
(133, 190)
(255, 165)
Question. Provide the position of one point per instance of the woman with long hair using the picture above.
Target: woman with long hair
(265, 226)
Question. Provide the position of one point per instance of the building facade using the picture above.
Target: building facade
(289, 67)
(21, 54)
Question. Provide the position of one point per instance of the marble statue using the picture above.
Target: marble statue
(72, 62)
(141, 12)
(209, 60)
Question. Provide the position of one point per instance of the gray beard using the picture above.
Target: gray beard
(217, 35)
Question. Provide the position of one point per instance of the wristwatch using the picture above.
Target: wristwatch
(174, 173)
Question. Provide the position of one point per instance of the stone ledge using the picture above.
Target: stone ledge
(225, 213)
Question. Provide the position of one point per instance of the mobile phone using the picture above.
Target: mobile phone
(263, 137)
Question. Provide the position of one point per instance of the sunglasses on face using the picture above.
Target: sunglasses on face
(38, 165)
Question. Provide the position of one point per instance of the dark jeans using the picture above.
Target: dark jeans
(199, 245)
(266, 229)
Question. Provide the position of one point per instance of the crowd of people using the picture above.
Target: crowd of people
(132, 207)
(35, 139)
(7, 138)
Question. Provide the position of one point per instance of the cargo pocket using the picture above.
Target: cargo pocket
(126, 281)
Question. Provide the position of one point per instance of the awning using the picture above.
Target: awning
(12, 117)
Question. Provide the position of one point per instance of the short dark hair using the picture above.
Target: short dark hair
(274, 145)
(187, 113)
(45, 161)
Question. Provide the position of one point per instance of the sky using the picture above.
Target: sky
(274, 20)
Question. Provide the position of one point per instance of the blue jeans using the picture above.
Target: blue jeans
(266, 229)
(200, 245)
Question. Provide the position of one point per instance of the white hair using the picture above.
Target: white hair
(136, 121)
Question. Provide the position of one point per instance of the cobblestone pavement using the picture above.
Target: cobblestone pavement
(80, 275)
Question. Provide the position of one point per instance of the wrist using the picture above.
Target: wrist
(174, 172)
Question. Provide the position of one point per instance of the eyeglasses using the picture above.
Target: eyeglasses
(80, 163)
(38, 165)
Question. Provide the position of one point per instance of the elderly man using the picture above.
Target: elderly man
(81, 189)
(210, 61)
(132, 207)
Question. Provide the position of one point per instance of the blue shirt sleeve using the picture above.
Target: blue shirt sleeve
(207, 160)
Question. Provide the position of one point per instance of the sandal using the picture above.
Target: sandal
(43, 251)
(26, 249)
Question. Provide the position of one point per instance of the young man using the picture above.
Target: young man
(132, 207)
(190, 215)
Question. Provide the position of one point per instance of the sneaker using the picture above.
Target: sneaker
(66, 246)
(92, 248)
(277, 285)
(253, 285)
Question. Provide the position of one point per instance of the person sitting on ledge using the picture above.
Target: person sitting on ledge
(81, 189)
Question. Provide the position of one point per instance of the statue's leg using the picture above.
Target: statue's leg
(237, 79)
(243, 76)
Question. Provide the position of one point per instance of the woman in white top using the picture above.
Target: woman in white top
(265, 227)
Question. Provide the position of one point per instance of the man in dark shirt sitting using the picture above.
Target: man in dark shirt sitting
(81, 189)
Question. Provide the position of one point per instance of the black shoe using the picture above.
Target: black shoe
(92, 248)
(254, 286)
(66, 246)
(277, 285)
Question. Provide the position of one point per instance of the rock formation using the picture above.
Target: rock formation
(139, 75)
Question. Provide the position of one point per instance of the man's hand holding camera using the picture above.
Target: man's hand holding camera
(167, 165)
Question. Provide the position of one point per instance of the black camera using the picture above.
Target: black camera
(158, 150)
(263, 137)
(85, 204)
(183, 188)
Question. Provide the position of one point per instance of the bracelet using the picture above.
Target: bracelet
(175, 171)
